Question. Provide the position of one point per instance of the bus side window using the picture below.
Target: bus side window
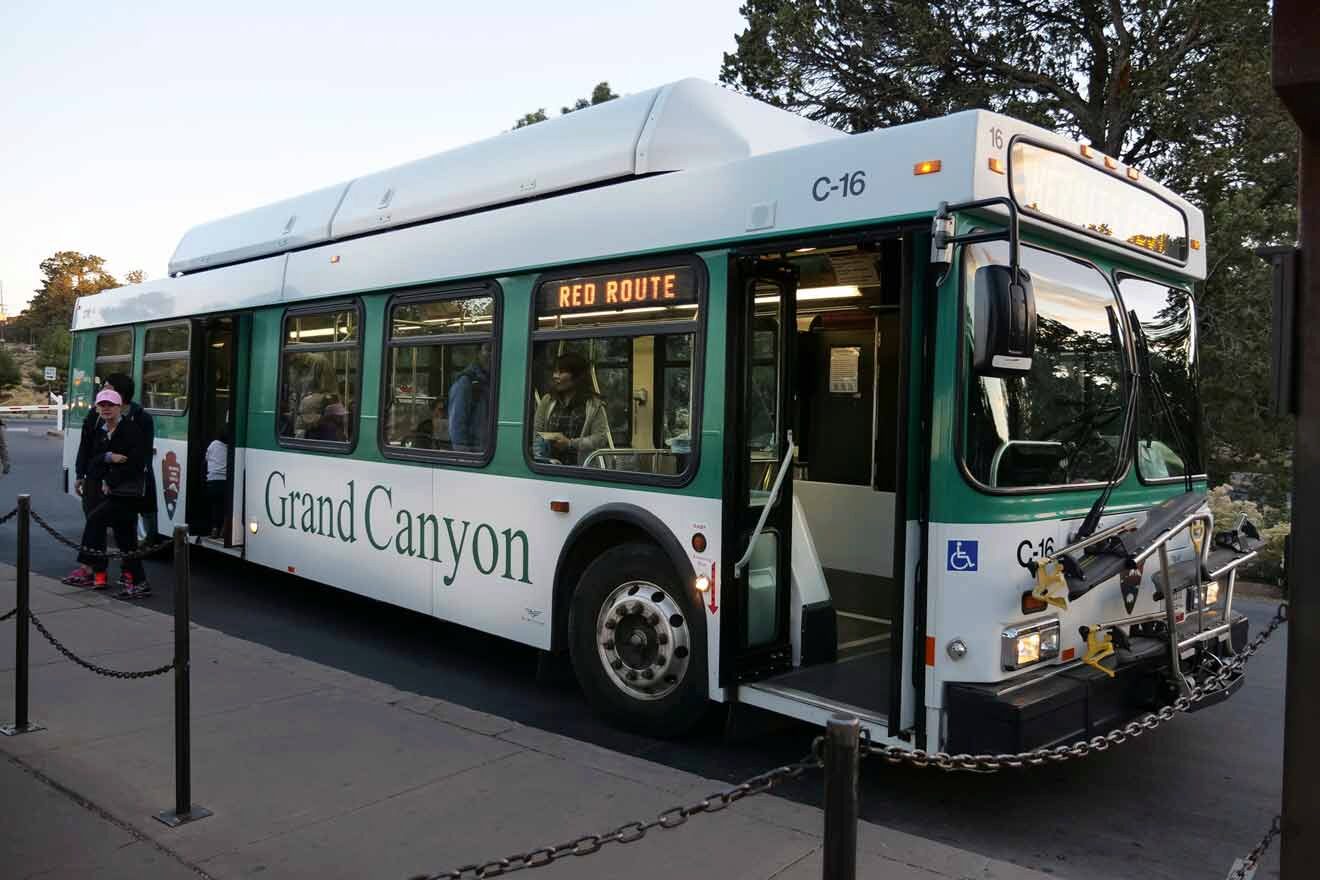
(441, 375)
(614, 367)
(320, 371)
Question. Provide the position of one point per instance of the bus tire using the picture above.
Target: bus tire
(638, 642)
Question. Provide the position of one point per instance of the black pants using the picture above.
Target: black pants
(215, 500)
(121, 515)
(91, 496)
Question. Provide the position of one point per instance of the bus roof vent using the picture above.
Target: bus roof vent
(685, 125)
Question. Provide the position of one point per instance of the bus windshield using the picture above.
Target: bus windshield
(1059, 425)
(1168, 429)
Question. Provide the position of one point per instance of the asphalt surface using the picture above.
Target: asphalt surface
(1181, 801)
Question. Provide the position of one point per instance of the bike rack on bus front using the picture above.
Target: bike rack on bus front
(1051, 574)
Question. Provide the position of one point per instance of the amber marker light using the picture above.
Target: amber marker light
(1087, 151)
(996, 165)
(1196, 244)
(334, 258)
(702, 584)
(1110, 164)
(559, 506)
(1133, 174)
(252, 527)
(930, 166)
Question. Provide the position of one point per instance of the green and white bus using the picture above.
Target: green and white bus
(725, 405)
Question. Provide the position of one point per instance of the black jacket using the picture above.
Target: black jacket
(128, 441)
(134, 413)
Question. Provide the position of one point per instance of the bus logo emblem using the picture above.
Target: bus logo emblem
(962, 556)
(171, 475)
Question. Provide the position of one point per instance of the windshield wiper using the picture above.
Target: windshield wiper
(1097, 510)
(1162, 398)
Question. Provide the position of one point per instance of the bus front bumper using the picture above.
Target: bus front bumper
(1074, 704)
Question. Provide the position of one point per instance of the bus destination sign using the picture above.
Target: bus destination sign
(624, 291)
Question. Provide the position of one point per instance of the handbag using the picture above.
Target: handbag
(129, 488)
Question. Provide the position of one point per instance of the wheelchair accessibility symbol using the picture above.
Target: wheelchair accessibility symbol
(962, 556)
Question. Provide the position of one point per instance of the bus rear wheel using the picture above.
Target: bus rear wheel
(638, 645)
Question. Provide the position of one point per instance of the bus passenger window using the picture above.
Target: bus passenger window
(114, 354)
(165, 369)
(613, 372)
(440, 385)
(319, 374)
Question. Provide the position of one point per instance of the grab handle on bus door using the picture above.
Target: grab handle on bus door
(769, 503)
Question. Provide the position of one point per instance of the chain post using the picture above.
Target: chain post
(184, 809)
(22, 724)
(842, 759)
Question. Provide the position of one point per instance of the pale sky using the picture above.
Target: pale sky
(124, 124)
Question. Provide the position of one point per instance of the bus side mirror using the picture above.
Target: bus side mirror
(1005, 322)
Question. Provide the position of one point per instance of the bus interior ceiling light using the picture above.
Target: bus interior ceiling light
(930, 166)
(847, 291)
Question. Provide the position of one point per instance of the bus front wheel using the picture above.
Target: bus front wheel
(638, 642)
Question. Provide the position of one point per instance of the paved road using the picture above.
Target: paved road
(1180, 802)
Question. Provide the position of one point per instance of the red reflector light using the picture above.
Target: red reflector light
(699, 542)
(930, 650)
(559, 506)
(1068, 654)
(292, 570)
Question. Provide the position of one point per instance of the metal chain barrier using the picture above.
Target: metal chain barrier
(9, 614)
(8, 516)
(99, 670)
(985, 763)
(630, 832)
(1246, 867)
(675, 816)
(140, 553)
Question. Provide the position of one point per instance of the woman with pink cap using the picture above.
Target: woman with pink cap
(116, 464)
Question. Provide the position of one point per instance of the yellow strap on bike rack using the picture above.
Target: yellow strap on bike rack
(1099, 645)
(1051, 585)
(1197, 532)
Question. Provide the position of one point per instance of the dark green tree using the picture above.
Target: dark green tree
(10, 375)
(599, 95)
(67, 275)
(1178, 88)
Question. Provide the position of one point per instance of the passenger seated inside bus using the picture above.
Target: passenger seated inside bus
(570, 420)
(433, 431)
(619, 403)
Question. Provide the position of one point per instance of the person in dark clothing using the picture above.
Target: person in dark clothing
(469, 404)
(90, 491)
(115, 465)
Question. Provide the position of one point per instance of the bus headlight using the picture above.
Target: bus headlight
(1030, 643)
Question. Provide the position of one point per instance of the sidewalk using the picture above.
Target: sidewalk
(312, 771)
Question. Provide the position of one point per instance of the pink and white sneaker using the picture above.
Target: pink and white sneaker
(79, 577)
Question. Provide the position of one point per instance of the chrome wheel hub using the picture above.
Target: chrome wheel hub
(642, 638)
